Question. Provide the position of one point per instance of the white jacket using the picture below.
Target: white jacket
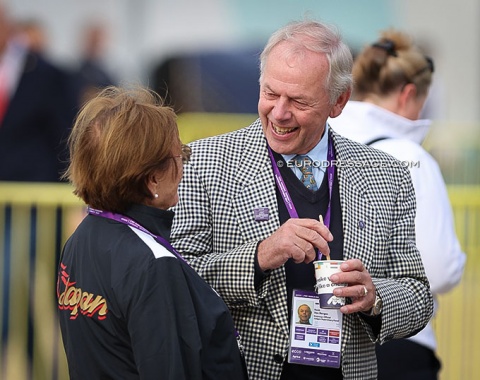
(437, 242)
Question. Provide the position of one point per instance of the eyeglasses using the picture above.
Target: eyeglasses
(185, 155)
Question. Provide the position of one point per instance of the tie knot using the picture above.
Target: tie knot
(304, 163)
(303, 159)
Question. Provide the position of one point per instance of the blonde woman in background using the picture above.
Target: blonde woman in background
(392, 79)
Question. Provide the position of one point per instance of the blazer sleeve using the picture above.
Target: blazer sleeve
(402, 283)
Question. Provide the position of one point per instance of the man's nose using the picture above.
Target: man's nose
(281, 109)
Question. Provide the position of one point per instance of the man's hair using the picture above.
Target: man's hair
(319, 38)
(120, 138)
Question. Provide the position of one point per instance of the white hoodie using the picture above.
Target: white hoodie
(437, 242)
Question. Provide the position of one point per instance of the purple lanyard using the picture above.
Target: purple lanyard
(130, 222)
(292, 211)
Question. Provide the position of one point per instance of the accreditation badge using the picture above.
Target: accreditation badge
(315, 333)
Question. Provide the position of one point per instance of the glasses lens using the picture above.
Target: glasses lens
(186, 153)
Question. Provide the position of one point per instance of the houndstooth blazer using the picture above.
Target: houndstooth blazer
(230, 175)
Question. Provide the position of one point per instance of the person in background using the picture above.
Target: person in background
(248, 221)
(130, 307)
(34, 35)
(92, 74)
(392, 78)
(37, 107)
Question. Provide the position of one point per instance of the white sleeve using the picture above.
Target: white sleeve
(437, 242)
(436, 239)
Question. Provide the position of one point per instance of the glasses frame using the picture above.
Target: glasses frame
(185, 155)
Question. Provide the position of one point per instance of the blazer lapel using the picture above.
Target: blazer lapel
(255, 168)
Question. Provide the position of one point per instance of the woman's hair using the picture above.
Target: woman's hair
(319, 38)
(389, 64)
(119, 139)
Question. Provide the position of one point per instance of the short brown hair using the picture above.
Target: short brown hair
(119, 139)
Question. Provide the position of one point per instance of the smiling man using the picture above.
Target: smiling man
(248, 219)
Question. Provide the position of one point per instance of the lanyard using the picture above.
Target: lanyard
(287, 199)
(130, 222)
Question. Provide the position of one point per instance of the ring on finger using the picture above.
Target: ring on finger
(365, 291)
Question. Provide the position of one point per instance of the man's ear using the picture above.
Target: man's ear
(341, 101)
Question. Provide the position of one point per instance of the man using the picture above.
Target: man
(304, 314)
(37, 106)
(250, 227)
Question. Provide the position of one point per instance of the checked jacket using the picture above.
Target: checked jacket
(229, 176)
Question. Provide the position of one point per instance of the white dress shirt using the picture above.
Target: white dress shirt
(318, 155)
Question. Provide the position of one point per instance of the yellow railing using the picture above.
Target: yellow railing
(36, 219)
(194, 126)
(456, 324)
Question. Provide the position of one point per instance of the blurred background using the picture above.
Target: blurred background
(203, 57)
(206, 52)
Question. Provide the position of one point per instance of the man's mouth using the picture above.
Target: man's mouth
(283, 131)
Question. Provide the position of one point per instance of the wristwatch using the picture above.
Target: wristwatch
(377, 306)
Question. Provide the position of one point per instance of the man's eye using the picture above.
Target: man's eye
(300, 105)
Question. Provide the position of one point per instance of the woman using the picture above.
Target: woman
(130, 307)
(392, 79)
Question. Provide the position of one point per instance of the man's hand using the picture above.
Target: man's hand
(295, 239)
(360, 287)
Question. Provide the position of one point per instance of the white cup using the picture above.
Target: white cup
(324, 287)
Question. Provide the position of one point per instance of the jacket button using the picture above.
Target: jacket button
(277, 358)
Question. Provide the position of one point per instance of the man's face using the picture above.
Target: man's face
(294, 104)
(304, 314)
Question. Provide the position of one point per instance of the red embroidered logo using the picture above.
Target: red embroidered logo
(74, 299)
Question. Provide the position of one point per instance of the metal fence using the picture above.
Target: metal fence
(456, 324)
(36, 219)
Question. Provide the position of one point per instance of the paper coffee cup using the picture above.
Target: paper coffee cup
(324, 287)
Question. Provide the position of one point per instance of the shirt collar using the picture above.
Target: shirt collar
(319, 151)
